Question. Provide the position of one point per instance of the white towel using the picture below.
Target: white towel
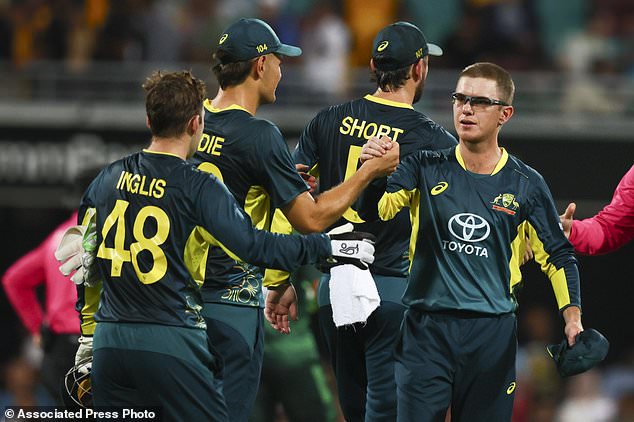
(353, 294)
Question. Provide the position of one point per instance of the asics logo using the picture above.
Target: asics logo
(223, 38)
(439, 188)
(469, 227)
(382, 46)
(511, 388)
(349, 250)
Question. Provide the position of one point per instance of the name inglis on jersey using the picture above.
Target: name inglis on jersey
(469, 228)
(137, 184)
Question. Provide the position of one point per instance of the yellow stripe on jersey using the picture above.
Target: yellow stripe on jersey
(195, 254)
(374, 99)
(392, 202)
(91, 295)
(210, 108)
(414, 215)
(257, 204)
(280, 224)
(556, 276)
(499, 166)
(518, 249)
(501, 163)
(212, 241)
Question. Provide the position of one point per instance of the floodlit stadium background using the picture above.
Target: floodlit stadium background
(70, 97)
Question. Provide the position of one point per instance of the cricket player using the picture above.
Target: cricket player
(252, 159)
(362, 355)
(470, 207)
(150, 341)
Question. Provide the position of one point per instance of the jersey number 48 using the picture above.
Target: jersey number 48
(118, 254)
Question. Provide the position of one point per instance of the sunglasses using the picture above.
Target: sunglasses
(461, 99)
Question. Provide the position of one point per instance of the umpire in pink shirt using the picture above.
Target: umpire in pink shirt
(610, 229)
(54, 326)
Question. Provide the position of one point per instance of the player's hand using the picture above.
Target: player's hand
(77, 251)
(281, 307)
(572, 317)
(528, 251)
(350, 247)
(310, 180)
(385, 164)
(375, 147)
(84, 353)
(567, 217)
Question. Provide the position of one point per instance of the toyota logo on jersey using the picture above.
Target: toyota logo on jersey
(469, 227)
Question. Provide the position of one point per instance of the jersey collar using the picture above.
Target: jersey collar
(499, 166)
(213, 109)
(391, 103)
(161, 153)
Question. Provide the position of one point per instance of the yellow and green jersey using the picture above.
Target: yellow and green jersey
(332, 142)
(249, 155)
(469, 232)
(156, 218)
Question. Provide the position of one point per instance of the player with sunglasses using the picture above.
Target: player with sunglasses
(471, 208)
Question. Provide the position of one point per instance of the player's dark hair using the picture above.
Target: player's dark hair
(390, 80)
(228, 71)
(172, 99)
(491, 71)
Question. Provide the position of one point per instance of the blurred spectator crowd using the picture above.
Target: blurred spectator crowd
(573, 35)
(589, 42)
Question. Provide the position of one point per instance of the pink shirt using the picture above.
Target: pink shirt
(612, 227)
(40, 267)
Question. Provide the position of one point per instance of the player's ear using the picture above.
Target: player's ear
(372, 66)
(419, 70)
(259, 66)
(147, 122)
(424, 64)
(507, 112)
(193, 124)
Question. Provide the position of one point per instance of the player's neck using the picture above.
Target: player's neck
(401, 95)
(176, 146)
(241, 95)
(480, 157)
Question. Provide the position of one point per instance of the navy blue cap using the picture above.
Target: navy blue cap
(590, 348)
(401, 44)
(248, 38)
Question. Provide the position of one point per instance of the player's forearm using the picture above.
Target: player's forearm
(330, 205)
(572, 314)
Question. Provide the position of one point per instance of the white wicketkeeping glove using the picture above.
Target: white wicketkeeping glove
(350, 247)
(77, 251)
(84, 354)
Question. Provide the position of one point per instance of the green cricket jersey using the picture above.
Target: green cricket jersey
(469, 232)
(251, 157)
(150, 211)
(333, 141)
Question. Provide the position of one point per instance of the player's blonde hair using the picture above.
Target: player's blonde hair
(491, 71)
